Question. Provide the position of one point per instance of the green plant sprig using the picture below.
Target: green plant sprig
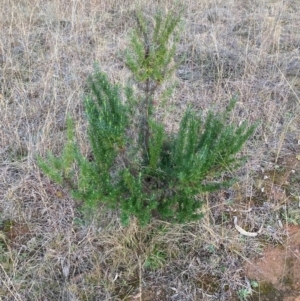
(141, 170)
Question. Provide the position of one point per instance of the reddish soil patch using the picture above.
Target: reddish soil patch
(279, 270)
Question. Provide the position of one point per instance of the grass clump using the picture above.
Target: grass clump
(136, 166)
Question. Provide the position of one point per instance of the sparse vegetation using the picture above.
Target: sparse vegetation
(49, 249)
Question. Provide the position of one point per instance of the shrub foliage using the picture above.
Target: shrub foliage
(136, 166)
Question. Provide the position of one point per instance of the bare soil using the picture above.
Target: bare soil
(278, 270)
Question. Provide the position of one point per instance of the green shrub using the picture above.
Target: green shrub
(136, 166)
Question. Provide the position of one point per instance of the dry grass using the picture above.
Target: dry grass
(47, 50)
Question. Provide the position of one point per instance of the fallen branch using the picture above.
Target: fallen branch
(244, 232)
